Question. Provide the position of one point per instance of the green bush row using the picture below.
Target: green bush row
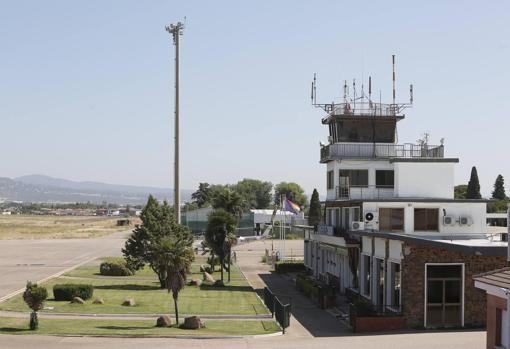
(115, 267)
(66, 292)
(308, 286)
(289, 267)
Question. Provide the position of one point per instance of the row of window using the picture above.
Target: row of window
(390, 219)
(376, 282)
(359, 178)
(425, 219)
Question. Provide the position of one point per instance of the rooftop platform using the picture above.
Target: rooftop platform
(383, 151)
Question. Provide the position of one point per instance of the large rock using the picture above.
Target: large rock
(129, 302)
(77, 300)
(208, 277)
(164, 321)
(218, 283)
(98, 300)
(193, 323)
(195, 282)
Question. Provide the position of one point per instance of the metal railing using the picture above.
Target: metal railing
(278, 309)
(379, 150)
(371, 192)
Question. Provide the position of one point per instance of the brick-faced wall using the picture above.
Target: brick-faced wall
(413, 281)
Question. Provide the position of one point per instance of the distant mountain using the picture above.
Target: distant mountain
(40, 188)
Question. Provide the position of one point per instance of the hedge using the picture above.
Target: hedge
(66, 292)
(289, 267)
(115, 267)
(308, 286)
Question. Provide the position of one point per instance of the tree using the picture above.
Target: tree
(219, 236)
(203, 195)
(314, 215)
(255, 193)
(460, 191)
(292, 191)
(230, 201)
(34, 296)
(175, 255)
(499, 189)
(473, 188)
(158, 223)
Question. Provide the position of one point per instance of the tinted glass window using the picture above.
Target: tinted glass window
(426, 219)
(356, 177)
(384, 178)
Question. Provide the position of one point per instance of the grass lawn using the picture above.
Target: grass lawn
(53, 227)
(135, 328)
(237, 297)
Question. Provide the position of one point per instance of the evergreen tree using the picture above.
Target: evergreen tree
(499, 189)
(314, 216)
(158, 225)
(473, 189)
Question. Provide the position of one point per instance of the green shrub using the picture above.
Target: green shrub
(115, 267)
(66, 292)
(308, 286)
(289, 267)
(34, 296)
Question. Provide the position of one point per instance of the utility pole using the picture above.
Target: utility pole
(176, 31)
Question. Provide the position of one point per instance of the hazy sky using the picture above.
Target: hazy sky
(86, 86)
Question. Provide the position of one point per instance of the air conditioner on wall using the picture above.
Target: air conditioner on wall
(448, 220)
(357, 226)
(465, 220)
(371, 217)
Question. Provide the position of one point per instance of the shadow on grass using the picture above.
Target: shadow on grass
(126, 328)
(206, 287)
(14, 330)
(129, 287)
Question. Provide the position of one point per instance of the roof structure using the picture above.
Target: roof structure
(498, 278)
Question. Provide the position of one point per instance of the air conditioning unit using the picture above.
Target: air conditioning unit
(357, 225)
(448, 220)
(465, 220)
(371, 217)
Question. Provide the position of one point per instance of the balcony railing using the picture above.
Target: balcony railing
(369, 192)
(339, 151)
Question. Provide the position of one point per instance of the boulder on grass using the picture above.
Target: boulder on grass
(77, 300)
(164, 321)
(195, 282)
(193, 323)
(98, 300)
(129, 302)
(208, 277)
(218, 283)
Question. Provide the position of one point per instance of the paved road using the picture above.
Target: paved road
(22, 260)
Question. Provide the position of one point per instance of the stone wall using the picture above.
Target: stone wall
(413, 282)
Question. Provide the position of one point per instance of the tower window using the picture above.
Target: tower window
(384, 178)
(330, 179)
(357, 178)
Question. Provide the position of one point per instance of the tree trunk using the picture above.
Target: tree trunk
(162, 281)
(221, 266)
(176, 306)
(34, 322)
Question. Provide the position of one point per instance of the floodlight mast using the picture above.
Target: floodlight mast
(176, 31)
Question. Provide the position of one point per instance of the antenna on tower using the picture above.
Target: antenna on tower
(411, 94)
(393, 62)
(345, 91)
(370, 88)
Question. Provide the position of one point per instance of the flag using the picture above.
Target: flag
(291, 206)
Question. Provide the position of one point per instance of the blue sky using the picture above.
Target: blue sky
(86, 86)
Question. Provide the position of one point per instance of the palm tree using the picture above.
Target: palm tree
(230, 201)
(176, 255)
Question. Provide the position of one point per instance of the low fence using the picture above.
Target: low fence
(279, 310)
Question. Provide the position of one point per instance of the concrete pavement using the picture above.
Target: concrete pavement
(34, 260)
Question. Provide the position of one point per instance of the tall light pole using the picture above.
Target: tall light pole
(176, 31)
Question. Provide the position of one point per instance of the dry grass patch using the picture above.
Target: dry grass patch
(54, 227)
